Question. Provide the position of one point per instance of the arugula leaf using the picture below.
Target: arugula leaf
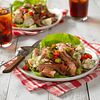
(37, 73)
(59, 37)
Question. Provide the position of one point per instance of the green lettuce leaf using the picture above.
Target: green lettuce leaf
(35, 1)
(16, 4)
(59, 37)
(19, 3)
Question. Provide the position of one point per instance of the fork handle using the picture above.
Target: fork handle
(13, 63)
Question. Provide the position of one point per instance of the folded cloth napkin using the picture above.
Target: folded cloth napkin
(59, 88)
(19, 32)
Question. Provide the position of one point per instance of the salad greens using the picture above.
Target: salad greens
(32, 14)
(19, 3)
(59, 37)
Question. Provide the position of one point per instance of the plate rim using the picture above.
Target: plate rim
(63, 79)
(54, 10)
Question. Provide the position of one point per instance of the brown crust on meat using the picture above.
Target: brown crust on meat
(61, 68)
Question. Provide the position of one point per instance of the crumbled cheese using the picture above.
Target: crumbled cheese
(77, 55)
(47, 21)
(80, 48)
(88, 63)
(37, 61)
(28, 22)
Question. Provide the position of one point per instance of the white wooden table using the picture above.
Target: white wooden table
(12, 89)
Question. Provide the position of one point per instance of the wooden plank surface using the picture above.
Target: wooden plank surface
(94, 89)
(16, 90)
(94, 86)
(5, 55)
(76, 94)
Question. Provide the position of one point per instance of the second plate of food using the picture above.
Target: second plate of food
(35, 17)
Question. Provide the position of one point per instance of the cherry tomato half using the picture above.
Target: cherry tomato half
(31, 13)
(86, 56)
(56, 53)
(25, 68)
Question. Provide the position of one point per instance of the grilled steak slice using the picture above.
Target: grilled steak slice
(38, 23)
(36, 52)
(61, 68)
(48, 72)
(73, 60)
(41, 67)
(69, 62)
(63, 48)
(44, 52)
(54, 19)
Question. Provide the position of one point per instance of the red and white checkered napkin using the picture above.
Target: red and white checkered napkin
(59, 88)
(19, 32)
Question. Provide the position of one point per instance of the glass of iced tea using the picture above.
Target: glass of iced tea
(5, 24)
(79, 9)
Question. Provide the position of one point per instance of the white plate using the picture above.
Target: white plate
(28, 73)
(55, 11)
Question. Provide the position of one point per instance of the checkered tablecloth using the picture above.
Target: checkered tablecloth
(59, 88)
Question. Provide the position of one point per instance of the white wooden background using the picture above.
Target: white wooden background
(12, 89)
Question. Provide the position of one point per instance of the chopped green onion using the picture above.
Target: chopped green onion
(68, 49)
(57, 60)
(50, 55)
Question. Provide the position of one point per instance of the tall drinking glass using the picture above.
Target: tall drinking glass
(79, 9)
(5, 24)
